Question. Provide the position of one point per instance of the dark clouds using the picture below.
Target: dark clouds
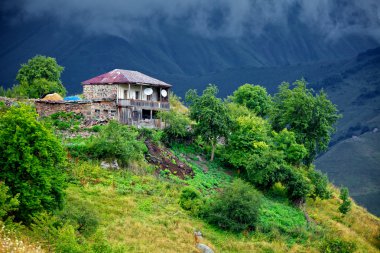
(210, 18)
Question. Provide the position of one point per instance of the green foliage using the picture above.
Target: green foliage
(65, 120)
(119, 142)
(279, 215)
(81, 217)
(210, 114)
(191, 200)
(320, 185)
(236, 208)
(39, 87)
(345, 207)
(311, 117)
(32, 161)
(250, 136)
(41, 75)
(298, 185)
(40, 67)
(254, 97)
(8, 203)
(285, 141)
(337, 245)
(177, 126)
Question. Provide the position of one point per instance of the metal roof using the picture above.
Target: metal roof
(117, 76)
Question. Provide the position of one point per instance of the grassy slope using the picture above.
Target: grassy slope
(142, 214)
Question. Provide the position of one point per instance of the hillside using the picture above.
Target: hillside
(139, 212)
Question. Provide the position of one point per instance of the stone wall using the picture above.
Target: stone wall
(91, 110)
(99, 91)
(46, 108)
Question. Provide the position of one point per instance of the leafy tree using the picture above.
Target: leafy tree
(119, 142)
(210, 114)
(41, 75)
(311, 117)
(249, 136)
(31, 162)
(176, 125)
(286, 141)
(41, 87)
(236, 208)
(345, 207)
(320, 185)
(254, 97)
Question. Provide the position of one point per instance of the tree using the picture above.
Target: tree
(210, 114)
(235, 208)
(345, 207)
(254, 97)
(31, 162)
(311, 117)
(176, 125)
(41, 75)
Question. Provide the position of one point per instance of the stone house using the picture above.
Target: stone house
(129, 96)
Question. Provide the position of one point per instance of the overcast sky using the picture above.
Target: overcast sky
(210, 18)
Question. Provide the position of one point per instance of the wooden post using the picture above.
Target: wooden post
(129, 91)
(141, 92)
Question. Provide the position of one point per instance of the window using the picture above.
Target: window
(137, 95)
(149, 97)
(126, 94)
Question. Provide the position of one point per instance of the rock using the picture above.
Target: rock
(110, 165)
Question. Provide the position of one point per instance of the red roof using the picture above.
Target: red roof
(125, 76)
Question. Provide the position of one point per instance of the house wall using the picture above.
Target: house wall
(104, 110)
(132, 93)
(100, 91)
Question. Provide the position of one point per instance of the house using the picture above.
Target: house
(130, 96)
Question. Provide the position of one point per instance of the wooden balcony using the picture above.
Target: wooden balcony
(144, 104)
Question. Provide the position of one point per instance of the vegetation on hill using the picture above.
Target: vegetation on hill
(41, 75)
(257, 190)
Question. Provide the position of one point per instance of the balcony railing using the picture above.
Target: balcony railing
(144, 104)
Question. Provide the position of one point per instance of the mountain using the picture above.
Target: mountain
(187, 60)
(168, 53)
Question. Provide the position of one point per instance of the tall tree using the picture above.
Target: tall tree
(310, 116)
(31, 162)
(40, 75)
(210, 114)
(254, 97)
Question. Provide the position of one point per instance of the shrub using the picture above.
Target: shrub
(119, 142)
(177, 125)
(191, 200)
(236, 208)
(345, 207)
(336, 245)
(31, 162)
(82, 217)
(8, 203)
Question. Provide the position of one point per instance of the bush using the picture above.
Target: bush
(81, 217)
(345, 207)
(7, 202)
(119, 142)
(337, 245)
(31, 162)
(191, 200)
(236, 208)
(177, 125)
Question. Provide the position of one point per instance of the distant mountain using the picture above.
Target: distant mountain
(169, 53)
